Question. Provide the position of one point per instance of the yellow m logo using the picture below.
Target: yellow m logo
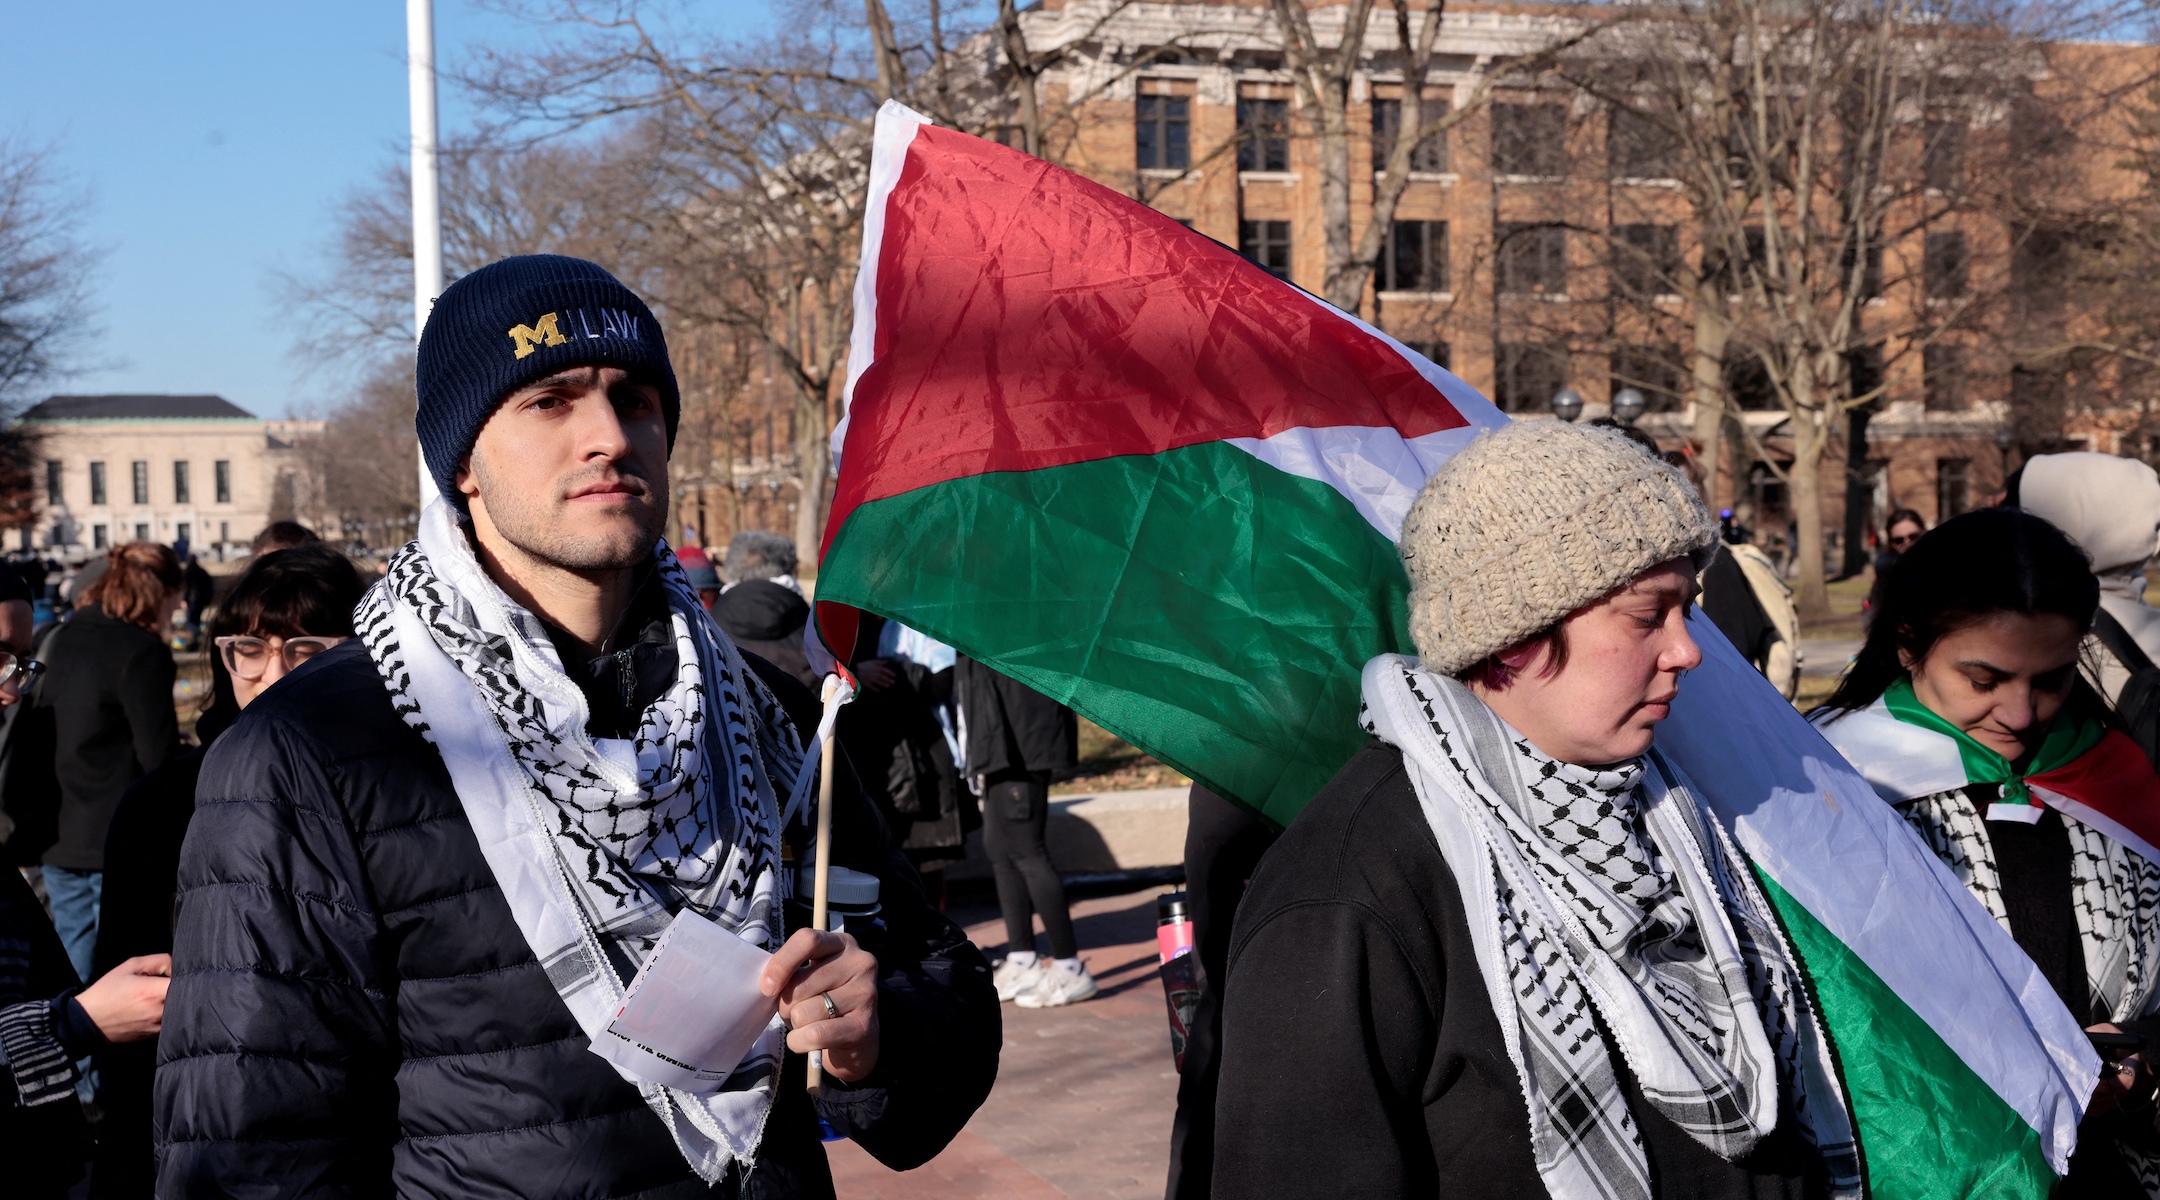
(531, 337)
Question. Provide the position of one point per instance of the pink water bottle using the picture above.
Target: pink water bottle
(1180, 968)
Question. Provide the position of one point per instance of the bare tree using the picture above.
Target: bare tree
(1324, 73)
(44, 269)
(1800, 136)
(362, 463)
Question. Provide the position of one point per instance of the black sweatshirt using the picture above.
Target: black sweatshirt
(1360, 1054)
(107, 695)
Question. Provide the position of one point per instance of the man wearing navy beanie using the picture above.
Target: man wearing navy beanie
(428, 864)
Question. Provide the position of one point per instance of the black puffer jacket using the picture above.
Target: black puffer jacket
(354, 1012)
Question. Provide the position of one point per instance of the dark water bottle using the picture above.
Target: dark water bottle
(1180, 968)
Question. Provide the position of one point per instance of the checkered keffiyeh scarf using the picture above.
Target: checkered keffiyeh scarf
(597, 844)
(1609, 897)
(2114, 895)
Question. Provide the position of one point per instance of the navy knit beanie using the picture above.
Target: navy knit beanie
(515, 321)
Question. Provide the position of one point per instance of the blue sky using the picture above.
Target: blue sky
(212, 143)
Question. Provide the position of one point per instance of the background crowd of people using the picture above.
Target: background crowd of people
(98, 788)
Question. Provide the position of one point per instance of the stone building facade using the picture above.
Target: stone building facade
(195, 469)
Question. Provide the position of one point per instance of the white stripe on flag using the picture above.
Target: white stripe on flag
(1376, 469)
(1902, 761)
(2085, 814)
(1816, 827)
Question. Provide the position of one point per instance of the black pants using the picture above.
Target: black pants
(1016, 811)
(1223, 845)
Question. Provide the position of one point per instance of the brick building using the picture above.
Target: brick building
(1524, 222)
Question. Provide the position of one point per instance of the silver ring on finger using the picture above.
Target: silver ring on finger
(832, 1011)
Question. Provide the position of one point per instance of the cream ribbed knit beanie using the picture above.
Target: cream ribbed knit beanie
(1531, 522)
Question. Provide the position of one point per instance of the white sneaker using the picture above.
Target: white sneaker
(1059, 987)
(1012, 979)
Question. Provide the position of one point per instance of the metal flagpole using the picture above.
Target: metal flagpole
(426, 187)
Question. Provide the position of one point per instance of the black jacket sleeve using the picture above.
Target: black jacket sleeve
(1326, 1032)
(145, 694)
(940, 1031)
(276, 1065)
(939, 1027)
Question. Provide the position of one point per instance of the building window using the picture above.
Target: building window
(1943, 368)
(98, 538)
(1942, 154)
(180, 483)
(1528, 375)
(184, 532)
(1529, 139)
(224, 532)
(1415, 258)
(1728, 274)
(53, 495)
(1162, 132)
(1430, 157)
(1263, 134)
(97, 483)
(139, 471)
(223, 470)
(1864, 374)
(1439, 353)
(1952, 483)
(1533, 260)
(1638, 147)
(1749, 384)
(1944, 265)
(1646, 259)
(1870, 276)
(1267, 244)
(142, 532)
(1656, 370)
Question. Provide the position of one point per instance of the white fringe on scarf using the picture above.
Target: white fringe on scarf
(1698, 990)
(598, 843)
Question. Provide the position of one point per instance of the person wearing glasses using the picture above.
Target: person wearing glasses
(287, 607)
(1899, 533)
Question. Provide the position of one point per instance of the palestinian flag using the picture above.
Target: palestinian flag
(2093, 775)
(1114, 460)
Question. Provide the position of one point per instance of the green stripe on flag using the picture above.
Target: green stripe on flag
(1206, 606)
(1929, 1126)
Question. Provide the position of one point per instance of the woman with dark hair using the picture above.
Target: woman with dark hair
(106, 707)
(1900, 532)
(1966, 711)
(286, 607)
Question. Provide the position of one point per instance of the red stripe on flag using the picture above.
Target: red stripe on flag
(2113, 780)
(1029, 318)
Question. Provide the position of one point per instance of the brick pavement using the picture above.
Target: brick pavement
(1084, 1094)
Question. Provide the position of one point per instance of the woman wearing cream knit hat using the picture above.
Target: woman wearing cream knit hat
(1507, 951)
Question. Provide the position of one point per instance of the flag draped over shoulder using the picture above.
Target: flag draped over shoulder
(1109, 457)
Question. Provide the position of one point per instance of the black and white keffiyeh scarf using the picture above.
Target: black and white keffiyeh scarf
(2114, 892)
(597, 843)
(2114, 895)
(1609, 897)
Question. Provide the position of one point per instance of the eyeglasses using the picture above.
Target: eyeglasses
(248, 657)
(1898, 541)
(18, 671)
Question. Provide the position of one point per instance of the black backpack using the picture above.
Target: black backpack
(2139, 703)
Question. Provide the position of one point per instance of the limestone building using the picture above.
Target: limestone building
(198, 469)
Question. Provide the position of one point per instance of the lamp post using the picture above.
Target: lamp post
(1628, 405)
(1567, 404)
